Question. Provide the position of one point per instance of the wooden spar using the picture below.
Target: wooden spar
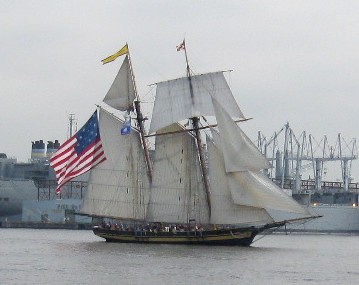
(190, 130)
(140, 122)
(195, 121)
(143, 138)
(302, 219)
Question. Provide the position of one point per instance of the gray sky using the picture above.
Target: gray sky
(292, 61)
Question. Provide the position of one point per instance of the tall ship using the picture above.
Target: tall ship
(201, 182)
(318, 175)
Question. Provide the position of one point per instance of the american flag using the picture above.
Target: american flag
(78, 154)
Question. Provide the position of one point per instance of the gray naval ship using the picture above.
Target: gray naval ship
(20, 181)
(294, 156)
(27, 192)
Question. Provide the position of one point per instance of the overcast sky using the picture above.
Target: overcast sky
(292, 61)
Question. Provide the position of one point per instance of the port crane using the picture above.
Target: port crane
(290, 155)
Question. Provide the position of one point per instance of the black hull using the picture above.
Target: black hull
(229, 237)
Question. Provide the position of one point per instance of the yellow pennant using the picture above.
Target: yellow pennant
(122, 51)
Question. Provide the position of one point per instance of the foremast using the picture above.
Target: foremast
(119, 188)
(196, 128)
(140, 120)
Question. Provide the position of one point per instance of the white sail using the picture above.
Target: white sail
(118, 187)
(174, 102)
(224, 209)
(238, 150)
(177, 194)
(248, 186)
(121, 94)
(256, 190)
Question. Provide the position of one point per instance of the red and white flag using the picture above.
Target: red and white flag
(181, 46)
(79, 154)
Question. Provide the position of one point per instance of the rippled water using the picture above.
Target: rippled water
(30, 256)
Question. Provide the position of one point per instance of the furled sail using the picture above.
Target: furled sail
(177, 194)
(224, 209)
(174, 101)
(121, 94)
(119, 187)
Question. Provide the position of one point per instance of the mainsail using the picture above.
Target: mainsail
(177, 194)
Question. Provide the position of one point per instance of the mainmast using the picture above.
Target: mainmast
(140, 120)
(196, 128)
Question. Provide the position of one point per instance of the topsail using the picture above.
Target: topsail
(121, 94)
(175, 101)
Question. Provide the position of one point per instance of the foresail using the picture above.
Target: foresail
(240, 154)
(174, 101)
(224, 209)
(119, 187)
(177, 194)
(121, 94)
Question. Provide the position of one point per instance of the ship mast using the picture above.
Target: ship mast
(196, 128)
(140, 121)
(71, 124)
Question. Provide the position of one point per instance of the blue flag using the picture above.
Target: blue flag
(126, 129)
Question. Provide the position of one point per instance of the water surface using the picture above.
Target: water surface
(30, 256)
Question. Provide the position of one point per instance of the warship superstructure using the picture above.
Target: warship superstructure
(19, 181)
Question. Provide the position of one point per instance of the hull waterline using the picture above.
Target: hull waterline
(235, 236)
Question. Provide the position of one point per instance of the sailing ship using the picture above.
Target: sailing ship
(200, 184)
